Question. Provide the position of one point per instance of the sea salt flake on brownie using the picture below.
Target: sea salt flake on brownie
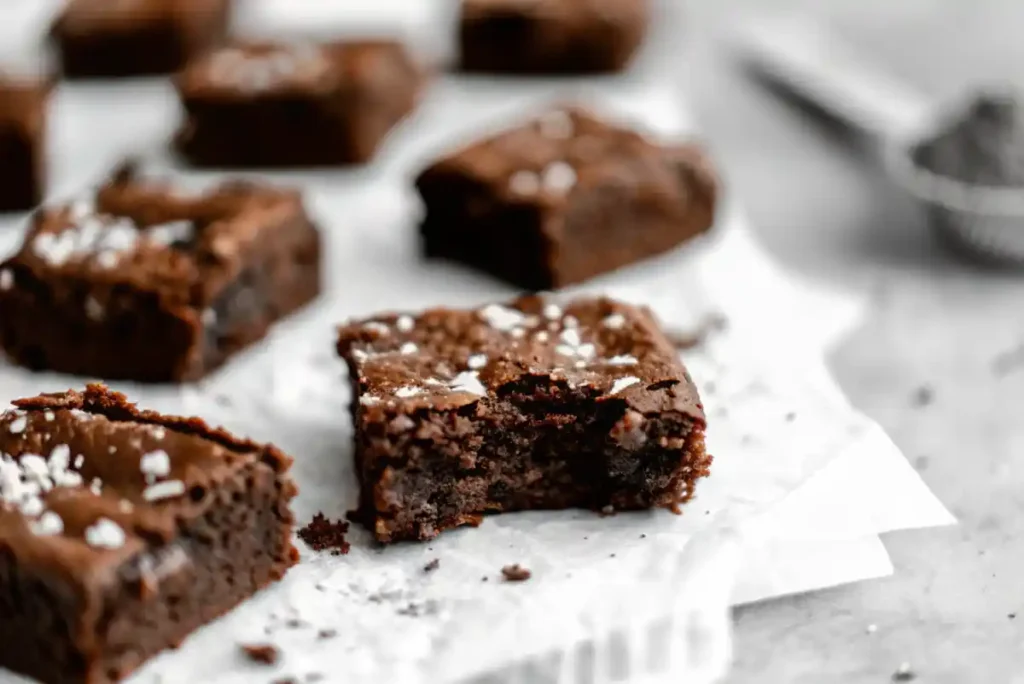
(553, 312)
(49, 524)
(614, 321)
(404, 323)
(104, 534)
(622, 383)
(406, 392)
(18, 425)
(622, 360)
(468, 381)
(167, 489)
(525, 183)
(378, 328)
(32, 507)
(501, 318)
(155, 464)
(476, 361)
(559, 177)
(6, 279)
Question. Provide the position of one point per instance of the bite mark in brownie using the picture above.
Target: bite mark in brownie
(563, 198)
(23, 116)
(280, 105)
(100, 39)
(530, 405)
(141, 281)
(123, 530)
(551, 36)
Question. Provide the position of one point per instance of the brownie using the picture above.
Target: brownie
(529, 405)
(102, 39)
(143, 281)
(280, 105)
(562, 198)
(23, 115)
(551, 36)
(123, 530)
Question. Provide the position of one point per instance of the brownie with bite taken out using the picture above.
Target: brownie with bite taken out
(525, 405)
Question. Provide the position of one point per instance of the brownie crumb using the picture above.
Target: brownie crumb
(691, 339)
(285, 680)
(515, 573)
(327, 633)
(265, 654)
(643, 536)
(1012, 616)
(903, 673)
(432, 565)
(923, 396)
(323, 534)
(484, 578)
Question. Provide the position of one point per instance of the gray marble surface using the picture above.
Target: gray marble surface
(954, 610)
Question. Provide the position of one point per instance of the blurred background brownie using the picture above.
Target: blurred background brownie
(563, 198)
(102, 39)
(529, 405)
(23, 116)
(278, 105)
(551, 36)
(141, 281)
(123, 530)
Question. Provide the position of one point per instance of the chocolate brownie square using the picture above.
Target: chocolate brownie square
(551, 36)
(279, 105)
(123, 530)
(141, 281)
(23, 116)
(563, 198)
(103, 39)
(529, 405)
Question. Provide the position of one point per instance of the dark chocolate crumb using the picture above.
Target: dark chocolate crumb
(691, 339)
(903, 673)
(432, 565)
(294, 623)
(484, 578)
(1012, 616)
(265, 654)
(515, 573)
(643, 536)
(323, 534)
(923, 396)
(327, 633)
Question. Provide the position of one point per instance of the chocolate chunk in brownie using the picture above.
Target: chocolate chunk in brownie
(529, 405)
(123, 530)
(562, 198)
(23, 115)
(551, 36)
(278, 105)
(141, 281)
(101, 39)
